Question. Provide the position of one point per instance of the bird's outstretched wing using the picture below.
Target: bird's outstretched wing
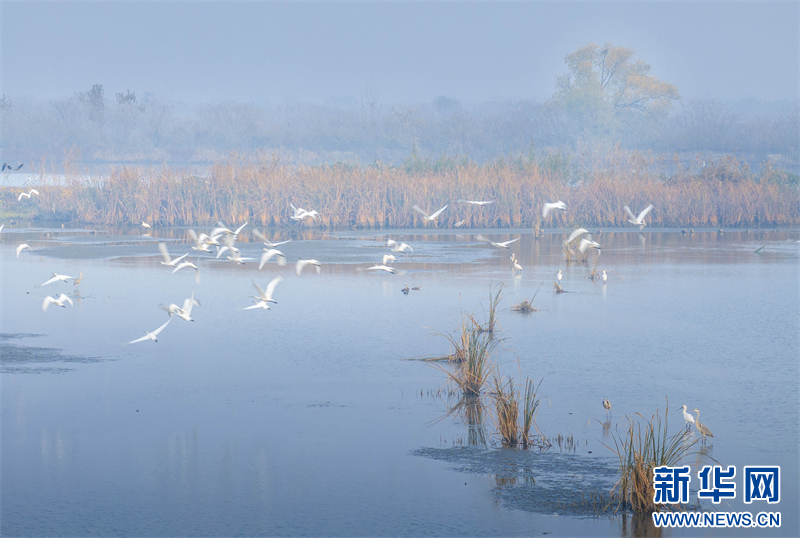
(271, 286)
(505, 244)
(164, 252)
(47, 302)
(259, 304)
(644, 213)
(239, 229)
(62, 298)
(436, 215)
(577, 233)
(142, 339)
(630, 213)
(157, 331)
(421, 212)
(55, 278)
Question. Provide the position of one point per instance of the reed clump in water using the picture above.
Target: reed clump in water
(526, 306)
(644, 446)
(259, 190)
(472, 355)
(513, 431)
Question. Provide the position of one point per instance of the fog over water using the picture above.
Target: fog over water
(275, 52)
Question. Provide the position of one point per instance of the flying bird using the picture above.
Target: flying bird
(504, 244)
(60, 301)
(268, 254)
(184, 312)
(265, 296)
(459, 224)
(22, 247)
(388, 258)
(302, 263)
(259, 304)
(27, 194)
(561, 206)
(145, 225)
(300, 213)
(386, 268)
(266, 241)
(638, 221)
(398, 247)
(473, 202)
(167, 260)
(151, 335)
(576, 233)
(183, 265)
(56, 278)
(587, 244)
(425, 216)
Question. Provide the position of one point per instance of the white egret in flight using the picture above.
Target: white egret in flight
(561, 206)
(151, 335)
(638, 221)
(428, 218)
(167, 260)
(266, 295)
(504, 244)
(56, 278)
(60, 301)
(302, 263)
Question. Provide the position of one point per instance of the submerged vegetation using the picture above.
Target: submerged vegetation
(260, 189)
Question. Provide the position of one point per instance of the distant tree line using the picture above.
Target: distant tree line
(605, 97)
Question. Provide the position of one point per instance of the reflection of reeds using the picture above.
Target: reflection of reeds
(642, 448)
(259, 190)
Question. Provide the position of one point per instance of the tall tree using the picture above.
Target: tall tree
(604, 85)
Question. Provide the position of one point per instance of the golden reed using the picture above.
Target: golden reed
(259, 190)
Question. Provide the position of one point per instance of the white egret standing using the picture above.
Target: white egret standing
(605, 276)
(559, 276)
(687, 417)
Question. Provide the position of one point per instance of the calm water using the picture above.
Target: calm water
(305, 419)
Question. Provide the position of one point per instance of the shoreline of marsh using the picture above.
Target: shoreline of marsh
(723, 193)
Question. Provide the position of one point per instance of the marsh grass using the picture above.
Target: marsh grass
(259, 189)
(645, 445)
(514, 432)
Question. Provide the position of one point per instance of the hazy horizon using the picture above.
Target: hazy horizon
(408, 53)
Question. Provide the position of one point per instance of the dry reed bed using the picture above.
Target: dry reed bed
(239, 190)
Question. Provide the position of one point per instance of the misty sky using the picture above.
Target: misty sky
(312, 52)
